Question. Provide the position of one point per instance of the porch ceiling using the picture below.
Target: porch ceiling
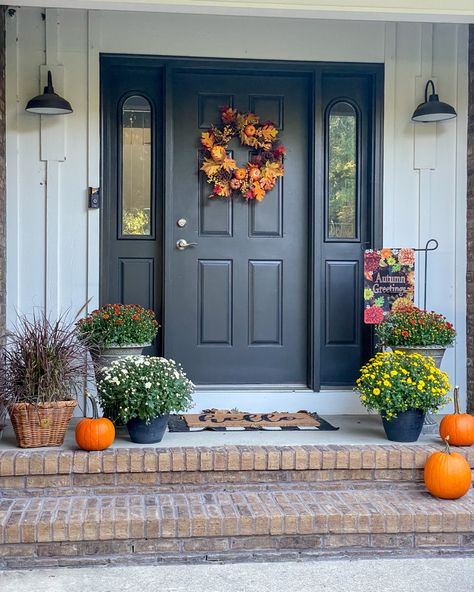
(456, 11)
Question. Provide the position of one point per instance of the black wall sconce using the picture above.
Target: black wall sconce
(432, 109)
(49, 103)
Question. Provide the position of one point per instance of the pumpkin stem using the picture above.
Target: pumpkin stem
(447, 449)
(95, 409)
(456, 400)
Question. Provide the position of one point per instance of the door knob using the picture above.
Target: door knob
(183, 244)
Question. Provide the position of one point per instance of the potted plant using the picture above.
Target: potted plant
(117, 330)
(402, 387)
(417, 331)
(145, 390)
(45, 366)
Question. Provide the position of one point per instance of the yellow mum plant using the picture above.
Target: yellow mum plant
(393, 382)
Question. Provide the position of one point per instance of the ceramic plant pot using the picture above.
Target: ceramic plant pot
(147, 433)
(406, 427)
(428, 351)
(106, 355)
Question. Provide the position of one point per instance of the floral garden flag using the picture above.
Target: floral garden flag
(389, 282)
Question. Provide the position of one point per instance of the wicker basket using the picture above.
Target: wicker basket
(44, 424)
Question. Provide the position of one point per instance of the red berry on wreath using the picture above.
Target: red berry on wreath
(218, 153)
(240, 174)
(250, 130)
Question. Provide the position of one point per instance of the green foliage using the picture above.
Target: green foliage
(393, 382)
(415, 328)
(342, 175)
(119, 324)
(136, 221)
(144, 387)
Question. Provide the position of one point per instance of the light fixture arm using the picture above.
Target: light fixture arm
(426, 89)
(49, 86)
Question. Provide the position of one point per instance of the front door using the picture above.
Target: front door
(237, 298)
(267, 293)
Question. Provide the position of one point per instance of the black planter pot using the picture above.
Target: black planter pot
(151, 433)
(406, 427)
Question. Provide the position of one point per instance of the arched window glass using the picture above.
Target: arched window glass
(342, 172)
(136, 167)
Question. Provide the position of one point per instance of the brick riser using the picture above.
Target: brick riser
(235, 525)
(229, 504)
(53, 485)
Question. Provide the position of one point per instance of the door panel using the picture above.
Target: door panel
(237, 307)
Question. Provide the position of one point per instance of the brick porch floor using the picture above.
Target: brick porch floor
(353, 430)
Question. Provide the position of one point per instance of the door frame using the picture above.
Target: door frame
(316, 167)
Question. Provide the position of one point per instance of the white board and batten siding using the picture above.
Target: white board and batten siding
(53, 239)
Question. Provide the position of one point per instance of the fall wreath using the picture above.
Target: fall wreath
(260, 174)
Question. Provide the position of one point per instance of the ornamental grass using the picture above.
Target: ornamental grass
(394, 382)
(144, 387)
(43, 362)
(119, 325)
(415, 328)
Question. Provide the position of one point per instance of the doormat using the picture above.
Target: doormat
(220, 420)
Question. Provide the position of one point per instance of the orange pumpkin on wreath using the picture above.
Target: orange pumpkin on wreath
(257, 177)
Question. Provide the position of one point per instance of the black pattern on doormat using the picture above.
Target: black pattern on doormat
(177, 423)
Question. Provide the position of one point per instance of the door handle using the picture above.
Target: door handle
(183, 244)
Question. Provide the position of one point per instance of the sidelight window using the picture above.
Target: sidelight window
(342, 172)
(136, 167)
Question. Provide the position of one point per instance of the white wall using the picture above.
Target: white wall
(53, 240)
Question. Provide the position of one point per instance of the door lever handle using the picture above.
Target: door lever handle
(183, 244)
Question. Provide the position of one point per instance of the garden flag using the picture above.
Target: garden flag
(389, 282)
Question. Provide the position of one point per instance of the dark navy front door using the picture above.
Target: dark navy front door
(237, 305)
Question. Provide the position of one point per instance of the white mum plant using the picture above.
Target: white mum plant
(144, 387)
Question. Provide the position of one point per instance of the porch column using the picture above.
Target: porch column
(3, 224)
(470, 230)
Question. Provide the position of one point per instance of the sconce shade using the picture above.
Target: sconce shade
(433, 109)
(49, 103)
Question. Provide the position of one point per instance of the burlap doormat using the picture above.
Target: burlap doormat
(223, 419)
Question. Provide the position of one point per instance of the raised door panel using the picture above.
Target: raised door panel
(136, 281)
(215, 303)
(342, 302)
(265, 302)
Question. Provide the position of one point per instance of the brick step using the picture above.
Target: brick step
(231, 525)
(179, 469)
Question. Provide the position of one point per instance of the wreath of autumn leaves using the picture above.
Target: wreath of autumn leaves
(260, 174)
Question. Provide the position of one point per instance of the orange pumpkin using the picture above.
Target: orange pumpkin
(447, 474)
(96, 433)
(218, 153)
(458, 426)
(254, 173)
(240, 174)
(250, 130)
